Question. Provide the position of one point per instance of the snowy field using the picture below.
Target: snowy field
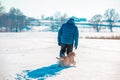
(32, 56)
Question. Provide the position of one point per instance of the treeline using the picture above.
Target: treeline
(12, 21)
(15, 21)
(110, 16)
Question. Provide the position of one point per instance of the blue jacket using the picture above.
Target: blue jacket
(68, 33)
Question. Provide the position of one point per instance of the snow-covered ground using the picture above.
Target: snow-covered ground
(32, 56)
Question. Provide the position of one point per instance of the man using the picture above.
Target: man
(68, 36)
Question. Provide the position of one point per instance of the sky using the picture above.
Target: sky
(78, 8)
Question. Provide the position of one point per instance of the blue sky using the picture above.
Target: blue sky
(78, 8)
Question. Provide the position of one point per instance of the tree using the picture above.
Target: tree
(63, 19)
(96, 19)
(111, 16)
(59, 19)
(14, 20)
(42, 16)
(17, 19)
(57, 16)
(56, 21)
(2, 19)
(2, 9)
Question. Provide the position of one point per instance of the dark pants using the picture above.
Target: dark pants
(66, 48)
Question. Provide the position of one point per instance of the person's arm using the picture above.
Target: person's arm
(59, 36)
(76, 37)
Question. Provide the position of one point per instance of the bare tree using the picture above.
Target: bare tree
(17, 19)
(96, 19)
(63, 19)
(59, 19)
(2, 20)
(2, 9)
(111, 17)
(57, 16)
(42, 16)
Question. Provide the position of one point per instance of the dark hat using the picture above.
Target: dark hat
(71, 19)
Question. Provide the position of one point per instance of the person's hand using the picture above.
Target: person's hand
(59, 44)
(75, 47)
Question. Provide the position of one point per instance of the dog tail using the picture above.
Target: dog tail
(59, 58)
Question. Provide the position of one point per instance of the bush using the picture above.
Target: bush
(103, 37)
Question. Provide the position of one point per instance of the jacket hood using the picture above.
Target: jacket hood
(71, 21)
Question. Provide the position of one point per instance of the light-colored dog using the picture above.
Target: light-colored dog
(67, 60)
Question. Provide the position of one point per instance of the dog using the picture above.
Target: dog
(67, 60)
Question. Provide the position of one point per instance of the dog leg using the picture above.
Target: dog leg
(74, 62)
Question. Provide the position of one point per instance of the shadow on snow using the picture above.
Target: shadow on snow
(41, 73)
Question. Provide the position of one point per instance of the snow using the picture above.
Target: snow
(32, 56)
